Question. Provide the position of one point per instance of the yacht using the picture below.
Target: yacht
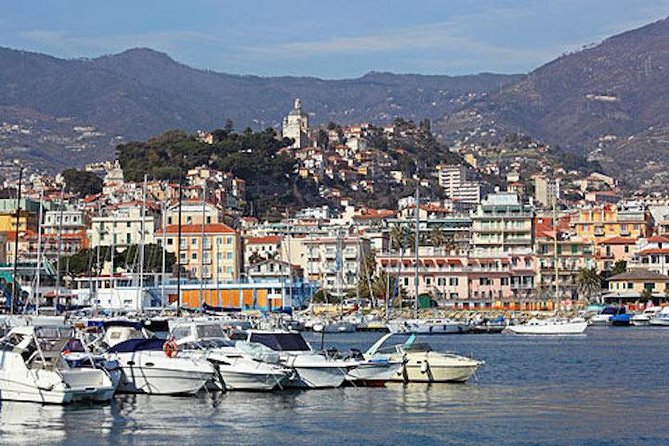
(550, 327)
(32, 368)
(609, 316)
(428, 326)
(421, 364)
(237, 369)
(312, 370)
(643, 319)
(150, 367)
(661, 319)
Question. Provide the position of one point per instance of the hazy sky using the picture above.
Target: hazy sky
(331, 39)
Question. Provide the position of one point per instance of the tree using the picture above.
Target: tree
(255, 258)
(589, 282)
(398, 238)
(322, 139)
(82, 182)
(619, 267)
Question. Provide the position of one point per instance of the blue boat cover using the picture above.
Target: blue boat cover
(135, 345)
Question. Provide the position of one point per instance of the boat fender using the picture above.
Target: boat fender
(170, 348)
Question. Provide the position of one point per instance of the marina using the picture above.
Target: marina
(516, 398)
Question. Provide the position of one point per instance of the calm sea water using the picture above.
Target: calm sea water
(609, 387)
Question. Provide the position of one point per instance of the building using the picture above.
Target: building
(193, 212)
(502, 224)
(261, 248)
(27, 217)
(653, 255)
(572, 255)
(209, 252)
(122, 227)
(631, 284)
(614, 249)
(273, 270)
(296, 126)
(545, 191)
(453, 179)
(602, 222)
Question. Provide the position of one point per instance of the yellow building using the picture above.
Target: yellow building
(608, 221)
(209, 252)
(629, 285)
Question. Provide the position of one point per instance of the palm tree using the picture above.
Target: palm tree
(398, 238)
(437, 237)
(589, 282)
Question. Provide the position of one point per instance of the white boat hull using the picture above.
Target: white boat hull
(557, 329)
(373, 373)
(153, 373)
(318, 377)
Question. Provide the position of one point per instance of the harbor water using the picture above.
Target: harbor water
(608, 387)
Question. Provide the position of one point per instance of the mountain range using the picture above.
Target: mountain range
(609, 101)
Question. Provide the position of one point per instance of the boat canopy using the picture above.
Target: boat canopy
(135, 345)
(281, 341)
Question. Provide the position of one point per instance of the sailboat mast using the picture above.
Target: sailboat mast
(179, 229)
(555, 247)
(204, 213)
(60, 245)
(416, 246)
(162, 265)
(39, 251)
(140, 291)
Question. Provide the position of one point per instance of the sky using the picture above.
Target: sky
(328, 39)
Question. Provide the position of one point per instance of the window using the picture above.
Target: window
(170, 241)
(189, 219)
(229, 256)
(630, 285)
(208, 219)
(127, 224)
(627, 248)
(193, 256)
(505, 281)
(228, 240)
(169, 220)
(127, 238)
(193, 242)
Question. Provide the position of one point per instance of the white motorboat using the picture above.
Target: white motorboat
(643, 319)
(421, 364)
(150, 368)
(428, 326)
(32, 368)
(661, 319)
(550, 327)
(237, 369)
(374, 371)
(312, 370)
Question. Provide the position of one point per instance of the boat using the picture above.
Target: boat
(643, 319)
(550, 327)
(373, 371)
(606, 316)
(32, 368)
(236, 368)
(312, 370)
(428, 326)
(150, 367)
(661, 319)
(421, 364)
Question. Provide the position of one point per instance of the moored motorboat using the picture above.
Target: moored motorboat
(236, 369)
(312, 370)
(149, 367)
(428, 326)
(421, 364)
(661, 319)
(643, 319)
(32, 368)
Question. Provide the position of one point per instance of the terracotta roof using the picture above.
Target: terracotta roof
(619, 241)
(212, 228)
(658, 239)
(650, 251)
(267, 240)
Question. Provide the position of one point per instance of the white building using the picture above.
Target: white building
(121, 228)
(453, 178)
(296, 126)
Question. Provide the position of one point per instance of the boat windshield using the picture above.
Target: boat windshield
(417, 347)
(281, 341)
(210, 331)
(613, 310)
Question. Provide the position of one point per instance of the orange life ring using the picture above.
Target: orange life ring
(170, 348)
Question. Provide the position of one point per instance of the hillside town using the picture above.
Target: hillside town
(482, 228)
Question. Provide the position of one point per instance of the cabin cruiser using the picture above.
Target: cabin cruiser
(32, 368)
(428, 326)
(643, 319)
(312, 370)
(661, 319)
(421, 364)
(237, 369)
(152, 366)
(550, 327)
(610, 316)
